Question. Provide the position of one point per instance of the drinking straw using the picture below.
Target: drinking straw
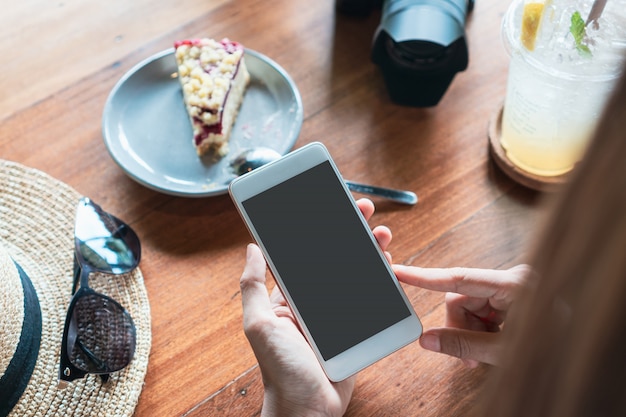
(596, 11)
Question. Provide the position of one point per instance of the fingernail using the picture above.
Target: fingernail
(431, 342)
(470, 363)
(249, 251)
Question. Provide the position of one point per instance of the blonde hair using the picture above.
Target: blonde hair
(566, 337)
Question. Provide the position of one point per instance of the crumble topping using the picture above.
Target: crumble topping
(206, 69)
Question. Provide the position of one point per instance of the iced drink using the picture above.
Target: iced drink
(560, 75)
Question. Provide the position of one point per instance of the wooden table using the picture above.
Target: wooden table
(62, 58)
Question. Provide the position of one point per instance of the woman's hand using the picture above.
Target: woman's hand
(477, 301)
(294, 381)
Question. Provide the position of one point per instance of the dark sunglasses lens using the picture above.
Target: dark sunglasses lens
(102, 335)
(103, 241)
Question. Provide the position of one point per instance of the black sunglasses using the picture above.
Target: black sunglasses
(99, 335)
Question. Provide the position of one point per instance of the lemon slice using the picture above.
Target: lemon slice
(530, 23)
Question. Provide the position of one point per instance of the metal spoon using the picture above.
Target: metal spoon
(253, 158)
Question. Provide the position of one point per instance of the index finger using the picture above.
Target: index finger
(366, 206)
(473, 282)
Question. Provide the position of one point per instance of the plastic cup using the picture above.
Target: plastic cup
(555, 95)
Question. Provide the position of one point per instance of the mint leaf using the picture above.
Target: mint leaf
(577, 29)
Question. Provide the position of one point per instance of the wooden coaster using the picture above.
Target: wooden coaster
(527, 179)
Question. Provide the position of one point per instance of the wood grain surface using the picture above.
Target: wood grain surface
(63, 57)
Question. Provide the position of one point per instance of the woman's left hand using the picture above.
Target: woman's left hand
(294, 381)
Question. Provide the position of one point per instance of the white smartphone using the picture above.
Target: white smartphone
(326, 261)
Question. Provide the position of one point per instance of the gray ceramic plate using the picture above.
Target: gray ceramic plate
(148, 134)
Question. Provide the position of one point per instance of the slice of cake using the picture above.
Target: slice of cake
(214, 78)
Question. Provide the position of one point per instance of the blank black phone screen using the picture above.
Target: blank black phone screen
(328, 263)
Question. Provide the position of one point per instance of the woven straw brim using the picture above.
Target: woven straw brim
(37, 229)
(11, 307)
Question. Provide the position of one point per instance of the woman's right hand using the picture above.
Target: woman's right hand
(477, 301)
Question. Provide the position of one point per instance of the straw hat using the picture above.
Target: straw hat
(36, 248)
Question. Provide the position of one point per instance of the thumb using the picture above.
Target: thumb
(471, 346)
(254, 296)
